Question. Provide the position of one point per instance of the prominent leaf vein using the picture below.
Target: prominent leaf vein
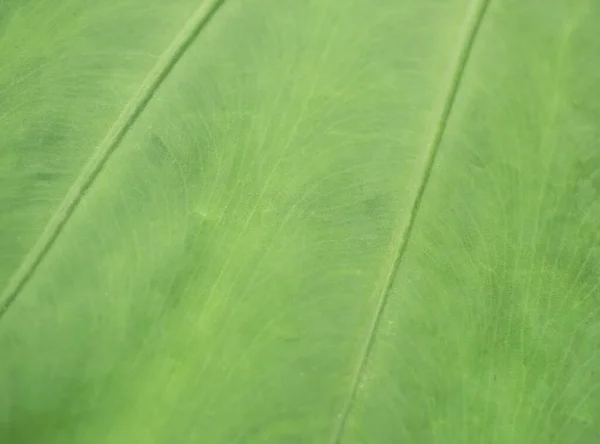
(477, 12)
(105, 149)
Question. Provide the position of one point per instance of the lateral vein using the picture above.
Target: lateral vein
(475, 19)
(105, 149)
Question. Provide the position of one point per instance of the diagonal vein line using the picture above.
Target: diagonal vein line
(105, 149)
(475, 19)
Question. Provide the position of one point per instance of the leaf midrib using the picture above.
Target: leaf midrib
(94, 166)
(474, 21)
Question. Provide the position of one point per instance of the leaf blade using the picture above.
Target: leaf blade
(240, 214)
(217, 281)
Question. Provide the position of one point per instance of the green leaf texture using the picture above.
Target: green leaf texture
(299, 221)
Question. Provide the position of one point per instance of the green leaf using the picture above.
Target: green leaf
(285, 221)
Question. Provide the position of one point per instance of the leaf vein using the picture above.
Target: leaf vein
(475, 20)
(105, 150)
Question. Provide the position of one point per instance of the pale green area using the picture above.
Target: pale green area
(219, 281)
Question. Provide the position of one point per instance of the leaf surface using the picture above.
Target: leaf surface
(369, 221)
